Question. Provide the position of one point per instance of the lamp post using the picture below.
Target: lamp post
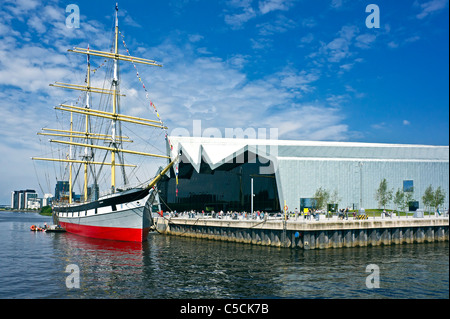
(251, 196)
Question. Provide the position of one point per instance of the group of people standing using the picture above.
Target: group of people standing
(306, 214)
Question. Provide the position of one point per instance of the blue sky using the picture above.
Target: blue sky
(312, 69)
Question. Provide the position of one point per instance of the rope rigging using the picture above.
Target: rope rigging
(80, 133)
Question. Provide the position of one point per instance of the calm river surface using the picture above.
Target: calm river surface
(33, 265)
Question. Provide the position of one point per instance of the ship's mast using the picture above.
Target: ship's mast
(115, 82)
(70, 158)
(86, 156)
(114, 116)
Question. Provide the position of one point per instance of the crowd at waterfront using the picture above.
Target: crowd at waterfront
(309, 214)
(222, 215)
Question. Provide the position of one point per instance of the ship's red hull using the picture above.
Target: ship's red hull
(110, 233)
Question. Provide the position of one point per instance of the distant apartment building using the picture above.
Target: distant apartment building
(34, 203)
(23, 198)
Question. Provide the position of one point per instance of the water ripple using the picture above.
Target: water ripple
(32, 265)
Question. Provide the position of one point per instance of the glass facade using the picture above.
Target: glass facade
(226, 188)
(307, 203)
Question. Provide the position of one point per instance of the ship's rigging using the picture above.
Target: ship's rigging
(96, 122)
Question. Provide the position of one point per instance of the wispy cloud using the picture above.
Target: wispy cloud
(336, 3)
(20, 7)
(339, 48)
(337, 100)
(307, 38)
(242, 11)
(210, 88)
(379, 126)
(296, 81)
(128, 19)
(311, 122)
(279, 25)
(237, 20)
(364, 41)
(267, 6)
(430, 7)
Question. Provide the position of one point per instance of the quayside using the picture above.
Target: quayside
(310, 235)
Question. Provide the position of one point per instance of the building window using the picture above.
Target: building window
(408, 186)
(413, 206)
(307, 203)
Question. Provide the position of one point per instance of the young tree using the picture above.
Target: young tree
(408, 198)
(399, 199)
(321, 196)
(428, 197)
(383, 195)
(438, 198)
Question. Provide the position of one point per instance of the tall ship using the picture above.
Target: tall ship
(122, 213)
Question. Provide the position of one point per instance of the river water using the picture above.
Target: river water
(34, 264)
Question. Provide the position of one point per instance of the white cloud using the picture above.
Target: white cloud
(355, 92)
(393, 44)
(239, 3)
(261, 43)
(296, 81)
(343, 50)
(337, 100)
(237, 20)
(20, 7)
(238, 61)
(309, 22)
(431, 7)
(412, 39)
(347, 66)
(209, 89)
(195, 38)
(246, 12)
(279, 25)
(307, 38)
(127, 19)
(348, 32)
(379, 126)
(336, 3)
(339, 48)
(364, 41)
(31, 67)
(267, 6)
(310, 122)
(36, 23)
(398, 42)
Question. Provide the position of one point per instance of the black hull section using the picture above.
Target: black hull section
(124, 197)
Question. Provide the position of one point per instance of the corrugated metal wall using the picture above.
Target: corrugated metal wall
(301, 177)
